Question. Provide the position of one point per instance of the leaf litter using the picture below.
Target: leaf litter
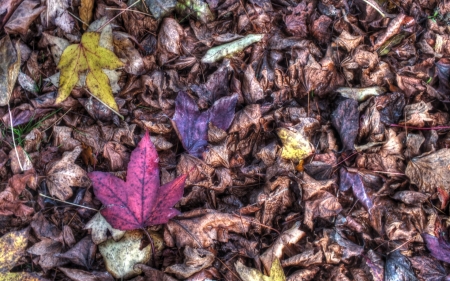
(224, 140)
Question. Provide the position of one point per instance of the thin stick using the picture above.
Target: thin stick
(113, 18)
(401, 245)
(81, 206)
(134, 11)
(77, 18)
(151, 244)
(420, 128)
(14, 140)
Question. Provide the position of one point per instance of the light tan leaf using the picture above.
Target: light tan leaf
(9, 68)
(99, 228)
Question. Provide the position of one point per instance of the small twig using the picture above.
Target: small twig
(81, 206)
(151, 244)
(113, 18)
(420, 128)
(134, 11)
(77, 18)
(401, 245)
(14, 140)
(59, 119)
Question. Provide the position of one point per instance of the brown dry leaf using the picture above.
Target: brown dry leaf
(81, 275)
(417, 114)
(323, 205)
(311, 187)
(20, 160)
(10, 204)
(290, 236)
(195, 260)
(304, 259)
(64, 174)
(204, 231)
(86, 12)
(46, 250)
(430, 171)
(348, 41)
(23, 16)
(83, 253)
(117, 156)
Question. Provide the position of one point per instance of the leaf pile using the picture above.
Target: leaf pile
(224, 140)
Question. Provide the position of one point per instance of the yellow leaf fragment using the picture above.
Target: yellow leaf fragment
(121, 256)
(18, 276)
(86, 12)
(12, 246)
(296, 146)
(88, 56)
(251, 274)
(9, 68)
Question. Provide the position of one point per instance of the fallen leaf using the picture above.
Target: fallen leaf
(23, 16)
(195, 260)
(296, 145)
(345, 120)
(398, 267)
(12, 246)
(86, 12)
(88, 55)
(121, 256)
(140, 201)
(217, 53)
(100, 227)
(251, 274)
(9, 68)
(10, 202)
(430, 171)
(198, 8)
(360, 94)
(81, 275)
(275, 251)
(64, 174)
(191, 125)
(438, 246)
(82, 253)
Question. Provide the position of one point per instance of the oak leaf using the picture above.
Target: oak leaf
(88, 56)
(139, 201)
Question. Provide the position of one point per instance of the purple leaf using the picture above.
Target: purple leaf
(192, 125)
(438, 247)
(354, 180)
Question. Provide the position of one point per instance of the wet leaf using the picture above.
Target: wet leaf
(251, 274)
(192, 125)
(438, 246)
(9, 68)
(23, 16)
(88, 56)
(398, 267)
(140, 200)
(226, 50)
(121, 256)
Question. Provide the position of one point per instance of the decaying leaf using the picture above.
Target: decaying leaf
(198, 8)
(251, 274)
(140, 200)
(10, 202)
(195, 260)
(88, 56)
(12, 246)
(64, 174)
(430, 171)
(121, 256)
(9, 68)
(217, 53)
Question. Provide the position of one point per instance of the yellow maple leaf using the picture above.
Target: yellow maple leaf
(12, 247)
(251, 274)
(296, 146)
(88, 56)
